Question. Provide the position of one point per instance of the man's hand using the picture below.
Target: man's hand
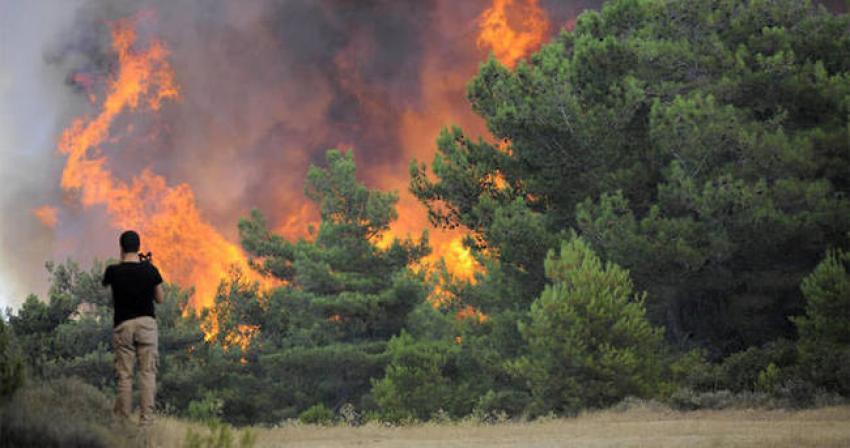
(158, 293)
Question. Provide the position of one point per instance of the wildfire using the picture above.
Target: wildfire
(460, 262)
(47, 215)
(241, 337)
(186, 248)
(511, 29)
(458, 259)
(470, 312)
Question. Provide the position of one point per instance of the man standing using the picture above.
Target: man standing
(136, 284)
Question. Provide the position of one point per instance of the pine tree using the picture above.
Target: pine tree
(345, 296)
(590, 344)
(824, 345)
(11, 363)
(700, 145)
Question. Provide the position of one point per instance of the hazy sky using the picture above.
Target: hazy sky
(33, 100)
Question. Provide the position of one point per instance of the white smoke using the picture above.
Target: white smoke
(34, 103)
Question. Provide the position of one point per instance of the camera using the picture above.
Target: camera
(146, 258)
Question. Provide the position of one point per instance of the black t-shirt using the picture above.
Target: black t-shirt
(132, 289)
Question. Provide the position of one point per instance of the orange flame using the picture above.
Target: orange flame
(460, 262)
(470, 312)
(458, 259)
(47, 215)
(187, 249)
(241, 337)
(511, 29)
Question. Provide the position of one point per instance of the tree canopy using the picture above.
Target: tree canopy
(703, 146)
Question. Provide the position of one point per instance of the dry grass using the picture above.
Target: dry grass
(827, 427)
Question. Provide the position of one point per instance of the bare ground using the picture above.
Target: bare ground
(826, 427)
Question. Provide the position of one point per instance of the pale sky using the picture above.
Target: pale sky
(34, 104)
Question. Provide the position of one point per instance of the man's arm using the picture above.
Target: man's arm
(106, 280)
(158, 293)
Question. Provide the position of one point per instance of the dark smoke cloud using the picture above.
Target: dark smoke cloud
(266, 86)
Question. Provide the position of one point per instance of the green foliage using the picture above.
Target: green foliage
(317, 415)
(47, 333)
(11, 363)
(420, 378)
(824, 343)
(96, 367)
(345, 296)
(754, 370)
(314, 374)
(690, 370)
(700, 145)
(428, 323)
(743, 371)
(493, 405)
(59, 413)
(590, 344)
(769, 378)
(208, 409)
(343, 284)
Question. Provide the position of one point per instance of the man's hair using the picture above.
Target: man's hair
(129, 242)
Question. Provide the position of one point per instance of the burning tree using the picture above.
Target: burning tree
(343, 296)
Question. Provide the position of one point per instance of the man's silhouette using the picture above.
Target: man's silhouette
(136, 284)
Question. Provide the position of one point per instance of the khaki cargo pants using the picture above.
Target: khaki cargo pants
(130, 339)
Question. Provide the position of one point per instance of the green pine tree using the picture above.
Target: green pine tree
(589, 342)
(11, 363)
(824, 345)
(345, 296)
(703, 146)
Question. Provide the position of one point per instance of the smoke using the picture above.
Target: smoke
(35, 105)
(265, 88)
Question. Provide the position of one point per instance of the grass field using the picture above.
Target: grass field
(643, 427)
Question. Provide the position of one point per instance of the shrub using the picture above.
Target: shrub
(348, 413)
(741, 371)
(95, 368)
(510, 402)
(769, 378)
(11, 363)
(633, 404)
(686, 399)
(690, 370)
(417, 382)
(317, 415)
(825, 329)
(206, 410)
(590, 343)
(59, 413)
(797, 393)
